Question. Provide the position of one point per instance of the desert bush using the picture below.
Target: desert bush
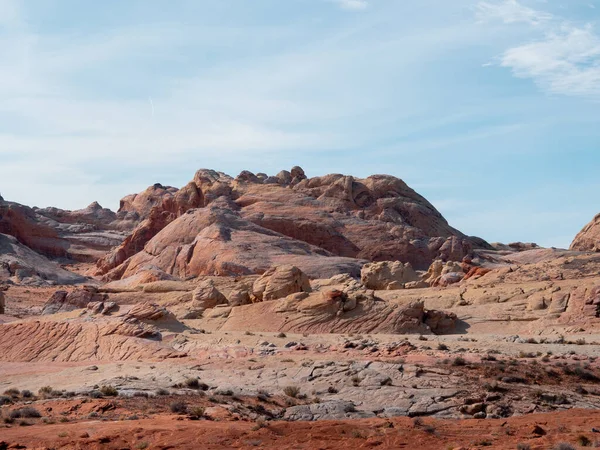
(4, 400)
(226, 392)
(584, 441)
(442, 347)
(332, 390)
(282, 335)
(109, 391)
(45, 391)
(26, 393)
(522, 446)
(197, 411)
(25, 413)
(14, 393)
(192, 383)
(178, 407)
(459, 361)
(291, 391)
(162, 391)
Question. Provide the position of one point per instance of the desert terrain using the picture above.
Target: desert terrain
(290, 312)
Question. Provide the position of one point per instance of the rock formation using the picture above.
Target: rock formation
(279, 282)
(21, 264)
(387, 275)
(63, 301)
(588, 239)
(105, 339)
(323, 225)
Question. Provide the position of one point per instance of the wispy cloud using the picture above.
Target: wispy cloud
(510, 11)
(565, 59)
(353, 4)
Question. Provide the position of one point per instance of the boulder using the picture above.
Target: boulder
(387, 275)
(102, 308)
(63, 301)
(148, 311)
(205, 296)
(439, 273)
(440, 322)
(279, 282)
(239, 297)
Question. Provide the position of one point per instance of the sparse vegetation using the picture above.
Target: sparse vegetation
(109, 391)
(291, 391)
(197, 412)
(178, 407)
(45, 391)
(25, 413)
(584, 441)
(442, 347)
(459, 361)
(192, 383)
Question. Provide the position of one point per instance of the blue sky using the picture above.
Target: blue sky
(490, 109)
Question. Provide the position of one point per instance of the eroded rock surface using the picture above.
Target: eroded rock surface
(588, 239)
(323, 225)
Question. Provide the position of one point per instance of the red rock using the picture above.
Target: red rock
(378, 218)
(588, 239)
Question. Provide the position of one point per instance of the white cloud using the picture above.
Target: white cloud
(353, 4)
(566, 61)
(510, 11)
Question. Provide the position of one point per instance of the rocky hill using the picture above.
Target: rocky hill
(219, 225)
(588, 239)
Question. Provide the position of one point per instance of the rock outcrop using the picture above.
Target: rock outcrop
(387, 275)
(444, 274)
(99, 340)
(204, 297)
(588, 239)
(325, 225)
(22, 265)
(63, 301)
(279, 282)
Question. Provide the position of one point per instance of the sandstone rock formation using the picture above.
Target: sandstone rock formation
(323, 225)
(21, 264)
(337, 305)
(279, 282)
(81, 235)
(387, 275)
(63, 301)
(444, 274)
(588, 239)
(111, 340)
(205, 296)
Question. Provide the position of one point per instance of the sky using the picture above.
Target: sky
(490, 109)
